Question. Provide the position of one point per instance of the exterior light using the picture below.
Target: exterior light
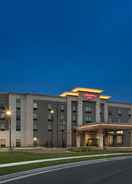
(8, 113)
(52, 111)
(104, 97)
(120, 132)
(35, 139)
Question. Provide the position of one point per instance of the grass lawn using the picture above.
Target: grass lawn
(10, 170)
(8, 157)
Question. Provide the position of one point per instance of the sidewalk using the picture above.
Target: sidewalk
(61, 159)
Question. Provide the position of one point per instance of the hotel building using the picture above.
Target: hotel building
(81, 117)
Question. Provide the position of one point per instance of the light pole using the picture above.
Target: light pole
(8, 115)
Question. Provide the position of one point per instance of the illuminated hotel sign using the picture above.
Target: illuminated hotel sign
(89, 96)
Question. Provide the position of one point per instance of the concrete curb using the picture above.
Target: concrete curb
(59, 159)
(34, 172)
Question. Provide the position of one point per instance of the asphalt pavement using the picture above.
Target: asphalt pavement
(113, 172)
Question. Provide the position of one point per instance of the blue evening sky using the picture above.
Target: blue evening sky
(50, 46)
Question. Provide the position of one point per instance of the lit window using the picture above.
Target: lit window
(35, 105)
(119, 139)
(2, 142)
(119, 132)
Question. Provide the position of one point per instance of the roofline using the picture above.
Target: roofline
(92, 90)
(97, 126)
(57, 96)
(32, 94)
(119, 102)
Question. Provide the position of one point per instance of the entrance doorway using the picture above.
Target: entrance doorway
(113, 138)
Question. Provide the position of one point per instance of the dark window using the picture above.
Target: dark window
(18, 142)
(18, 113)
(35, 125)
(18, 103)
(3, 143)
(35, 116)
(50, 117)
(18, 125)
(74, 118)
(49, 107)
(62, 107)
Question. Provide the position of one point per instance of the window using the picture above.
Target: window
(2, 107)
(74, 108)
(74, 118)
(50, 117)
(49, 126)
(18, 115)
(2, 143)
(110, 119)
(18, 109)
(119, 120)
(18, 103)
(88, 119)
(2, 126)
(119, 139)
(88, 108)
(62, 117)
(62, 107)
(62, 127)
(18, 125)
(18, 142)
(35, 117)
(119, 114)
(35, 125)
(35, 105)
(110, 113)
(2, 115)
(49, 107)
(129, 114)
